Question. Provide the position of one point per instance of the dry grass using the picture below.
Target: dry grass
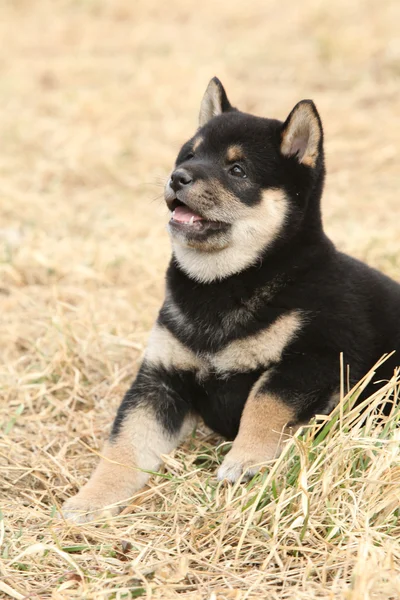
(96, 97)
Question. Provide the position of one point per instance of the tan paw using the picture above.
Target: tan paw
(242, 465)
(84, 508)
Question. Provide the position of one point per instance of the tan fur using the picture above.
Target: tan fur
(197, 142)
(302, 125)
(214, 201)
(164, 349)
(261, 349)
(139, 446)
(264, 426)
(234, 153)
(253, 230)
(244, 354)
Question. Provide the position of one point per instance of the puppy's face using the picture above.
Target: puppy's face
(233, 185)
(218, 181)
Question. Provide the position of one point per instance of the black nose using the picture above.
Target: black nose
(179, 179)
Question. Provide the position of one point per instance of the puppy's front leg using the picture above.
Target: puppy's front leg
(151, 421)
(265, 424)
(282, 400)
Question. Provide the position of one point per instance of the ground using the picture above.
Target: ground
(96, 98)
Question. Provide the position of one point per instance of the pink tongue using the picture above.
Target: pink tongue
(183, 214)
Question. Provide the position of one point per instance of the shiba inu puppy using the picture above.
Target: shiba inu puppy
(258, 306)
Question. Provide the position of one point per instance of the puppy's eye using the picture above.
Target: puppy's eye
(189, 156)
(237, 171)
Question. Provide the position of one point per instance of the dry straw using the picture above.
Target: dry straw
(321, 520)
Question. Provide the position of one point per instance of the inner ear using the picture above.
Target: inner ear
(302, 133)
(214, 103)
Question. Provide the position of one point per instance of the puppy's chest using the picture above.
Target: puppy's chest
(177, 348)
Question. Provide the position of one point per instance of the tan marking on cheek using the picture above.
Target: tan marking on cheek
(138, 447)
(214, 200)
(197, 142)
(164, 349)
(235, 153)
(261, 349)
(225, 200)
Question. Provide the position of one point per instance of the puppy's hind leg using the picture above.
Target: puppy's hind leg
(146, 427)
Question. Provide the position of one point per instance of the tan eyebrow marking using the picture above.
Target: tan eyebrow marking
(235, 153)
(199, 140)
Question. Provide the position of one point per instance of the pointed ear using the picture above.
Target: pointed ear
(302, 134)
(215, 102)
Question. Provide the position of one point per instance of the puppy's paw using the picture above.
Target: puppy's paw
(242, 465)
(233, 470)
(84, 508)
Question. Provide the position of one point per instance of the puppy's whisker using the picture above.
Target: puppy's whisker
(159, 198)
(159, 184)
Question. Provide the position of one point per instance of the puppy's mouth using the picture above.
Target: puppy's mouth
(185, 219)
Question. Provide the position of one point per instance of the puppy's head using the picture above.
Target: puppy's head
(242, 183)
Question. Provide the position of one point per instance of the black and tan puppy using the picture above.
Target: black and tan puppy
(258, 307)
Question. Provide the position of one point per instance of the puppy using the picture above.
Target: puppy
(258, 306)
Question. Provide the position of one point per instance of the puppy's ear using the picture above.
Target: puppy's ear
(302, 134)
(214, 103)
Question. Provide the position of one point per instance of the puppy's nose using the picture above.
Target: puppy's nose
(180, 179)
